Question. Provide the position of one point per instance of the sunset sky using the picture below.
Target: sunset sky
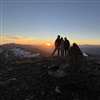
(40, 21)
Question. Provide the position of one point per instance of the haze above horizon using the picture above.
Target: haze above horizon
(40, 21)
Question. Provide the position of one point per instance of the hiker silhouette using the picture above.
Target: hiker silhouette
(57, 45)
(66, 46)
(76, 56)
(62, 46)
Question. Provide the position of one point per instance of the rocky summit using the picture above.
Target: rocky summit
(49, 78)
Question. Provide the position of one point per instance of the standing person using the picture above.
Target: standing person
(66, 46)
(62, 46)
(57, 45)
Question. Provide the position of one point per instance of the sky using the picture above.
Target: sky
(39, 21)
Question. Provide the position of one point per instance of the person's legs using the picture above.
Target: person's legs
(65, 51)
(54, 51)
(58, 51)
(62, 52)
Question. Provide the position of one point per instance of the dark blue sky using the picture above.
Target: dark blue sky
(43, 19)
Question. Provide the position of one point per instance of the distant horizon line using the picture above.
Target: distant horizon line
(41, 44)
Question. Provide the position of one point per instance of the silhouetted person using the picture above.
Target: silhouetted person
(57, 45)
(66, 46)
(76, 56)
(62, 46)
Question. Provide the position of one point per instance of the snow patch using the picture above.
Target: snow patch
(85, 55)
(19, 52)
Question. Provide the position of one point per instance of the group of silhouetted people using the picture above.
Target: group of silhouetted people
(61, 46)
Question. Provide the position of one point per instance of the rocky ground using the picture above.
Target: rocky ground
(49, 78)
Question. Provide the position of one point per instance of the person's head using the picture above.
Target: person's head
(61, 38)
(75, 45)
(58, 36)
(65, 38)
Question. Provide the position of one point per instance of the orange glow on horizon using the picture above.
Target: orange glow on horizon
(48, 44)
(87, 41)
(44, 42)
(20, 40)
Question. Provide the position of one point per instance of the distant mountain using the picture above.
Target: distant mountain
(20, 51)
(91, 49)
